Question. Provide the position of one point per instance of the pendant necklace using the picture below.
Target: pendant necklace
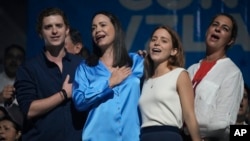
(152, 83)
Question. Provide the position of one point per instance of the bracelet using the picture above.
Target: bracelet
(64, 94)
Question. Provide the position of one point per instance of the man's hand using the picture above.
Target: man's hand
(142, 53)
(67, 86)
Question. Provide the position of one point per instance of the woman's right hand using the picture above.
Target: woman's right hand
(118, 75)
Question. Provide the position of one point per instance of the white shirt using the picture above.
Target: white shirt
(160, 102)
(218, 97)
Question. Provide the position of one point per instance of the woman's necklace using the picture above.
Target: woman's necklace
(152, 83)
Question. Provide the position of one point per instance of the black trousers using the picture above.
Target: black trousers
(160, 133)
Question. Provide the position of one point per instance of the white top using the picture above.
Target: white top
(218, 97)
(5, 80)
(159, 102)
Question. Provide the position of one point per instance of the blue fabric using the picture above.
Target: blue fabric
(114, 114)
(39, 78)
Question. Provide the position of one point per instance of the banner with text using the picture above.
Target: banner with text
(190, 18)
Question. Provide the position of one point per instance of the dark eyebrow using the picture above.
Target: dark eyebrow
(59, 24)
(224, 25)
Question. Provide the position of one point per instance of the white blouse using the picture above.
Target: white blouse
(218, 97)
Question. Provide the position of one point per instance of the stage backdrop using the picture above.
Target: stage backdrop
(189, 18)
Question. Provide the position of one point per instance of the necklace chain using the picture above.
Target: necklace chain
(152, 83)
